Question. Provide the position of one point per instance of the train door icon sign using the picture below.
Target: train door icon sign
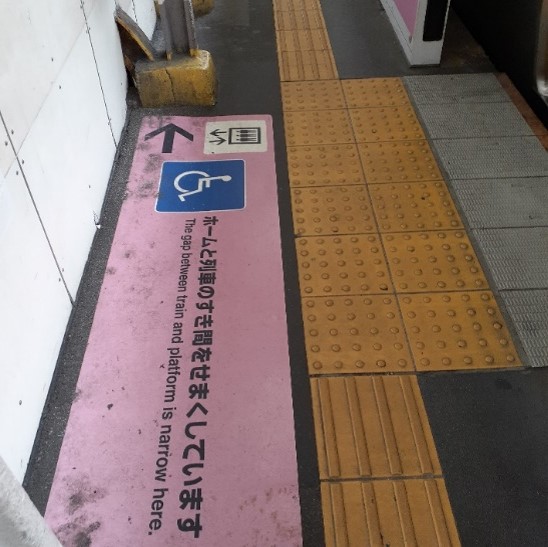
(201, 186)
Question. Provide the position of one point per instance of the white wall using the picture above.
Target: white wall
(62, 110)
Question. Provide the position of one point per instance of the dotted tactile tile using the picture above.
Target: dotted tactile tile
(528, 312)
(385, 124)
(325, 127)
(414, 206)
(433, 261)
(398, 162)
(457, 331)
(306, 65)
(332, 210)
(340, 265)
(349, 335)
(298, 20)
(324, 165)
(517, 257)
(375, 92)
(312, 95)
(388, 513)
(303, 40)
(372, 426)
(296, 5)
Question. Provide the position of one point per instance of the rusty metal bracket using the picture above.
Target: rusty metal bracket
(135, 44)
(182, 74)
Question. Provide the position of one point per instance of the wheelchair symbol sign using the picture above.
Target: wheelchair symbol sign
(197, 186)
(199, 178)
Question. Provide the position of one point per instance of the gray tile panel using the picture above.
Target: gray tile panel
(460, 120)
(503, 203)
(499, 157)
(455, 88)
(529, 312)
(517, 257)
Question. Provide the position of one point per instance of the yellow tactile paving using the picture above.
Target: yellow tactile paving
(313, 95)
(372, 426)
(342, 265)
(433, 261)
(306, 65)
(324, 127)
(298, 20)
(457, 331)
(324, 165)
(388, 513)
(296, 5)
(332, 210)
(385, 124)
(303, 40)
(375, 92)
(414, 206)
(403, 161)
(370, 421)
(349, 335)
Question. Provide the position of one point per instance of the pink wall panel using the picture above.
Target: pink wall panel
(408, 11)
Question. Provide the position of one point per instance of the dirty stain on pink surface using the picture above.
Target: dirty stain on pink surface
(181, 432)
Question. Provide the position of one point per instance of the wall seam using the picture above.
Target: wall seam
(135, 12)
(59, 269)
(98, 74)
(46, 95)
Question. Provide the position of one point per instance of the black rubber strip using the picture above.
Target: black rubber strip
(434, 21)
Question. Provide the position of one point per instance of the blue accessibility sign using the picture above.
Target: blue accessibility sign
(196, 186)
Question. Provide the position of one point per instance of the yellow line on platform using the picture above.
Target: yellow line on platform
(390, 285)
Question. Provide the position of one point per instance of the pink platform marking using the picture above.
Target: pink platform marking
(103, 486)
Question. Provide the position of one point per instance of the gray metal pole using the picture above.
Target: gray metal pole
(177, 20)
(21, 525)
(190, 26)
